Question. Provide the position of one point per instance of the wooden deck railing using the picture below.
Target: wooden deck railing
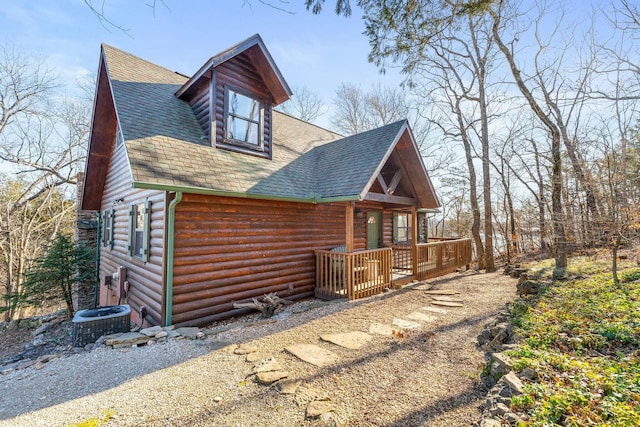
(352, 275)
(402, 259)
(439, 258)
(360, 274)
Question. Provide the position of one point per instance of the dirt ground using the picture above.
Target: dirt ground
(429, 376)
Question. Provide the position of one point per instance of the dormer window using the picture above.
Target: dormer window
(244, 118)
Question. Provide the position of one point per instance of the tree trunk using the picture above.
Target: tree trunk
(556, 175)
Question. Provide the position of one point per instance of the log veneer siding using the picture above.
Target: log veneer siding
(229, 250)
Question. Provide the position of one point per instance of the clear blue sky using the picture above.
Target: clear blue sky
(316, 51)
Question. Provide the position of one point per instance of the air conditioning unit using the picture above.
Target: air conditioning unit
(91, 324)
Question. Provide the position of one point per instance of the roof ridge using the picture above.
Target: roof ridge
(103, 45)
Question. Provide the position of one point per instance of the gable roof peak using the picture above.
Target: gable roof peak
(262, 59)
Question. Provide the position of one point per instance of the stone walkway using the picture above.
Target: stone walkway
(269, 372)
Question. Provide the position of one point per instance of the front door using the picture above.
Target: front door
(374, 230)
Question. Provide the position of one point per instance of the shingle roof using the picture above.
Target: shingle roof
(167, 148)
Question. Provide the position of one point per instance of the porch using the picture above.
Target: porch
(360, 274)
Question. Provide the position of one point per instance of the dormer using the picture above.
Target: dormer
(244, 84)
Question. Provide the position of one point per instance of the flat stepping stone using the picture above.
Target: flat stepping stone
(406, 324)
(266, 365)
(449, 299)
(351, 340)
(441, 292)
(313, 354)
(380, 329)
(245, 349)
(268, 378)
(288, 386)
(420, 316)
(447, 303)
(437, 310)
(254, 357)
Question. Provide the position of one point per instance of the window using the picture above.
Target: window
(108, 222)
(243, 117)
(139, 230)
(401, 228)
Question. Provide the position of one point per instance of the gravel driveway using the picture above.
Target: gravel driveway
(428, 376)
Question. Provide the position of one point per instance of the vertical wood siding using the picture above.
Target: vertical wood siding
(145, 279)
(229, 250)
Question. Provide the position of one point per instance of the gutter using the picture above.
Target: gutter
(168, 306)
(211, 192)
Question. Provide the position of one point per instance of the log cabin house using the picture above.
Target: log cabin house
(207, 196)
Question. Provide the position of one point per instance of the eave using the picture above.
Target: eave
(255, 48)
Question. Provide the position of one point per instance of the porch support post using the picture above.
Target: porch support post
(414, 239)
(349, 227)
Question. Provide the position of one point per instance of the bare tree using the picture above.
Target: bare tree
(357, 110)
(554, 134)
(43, 142)
(304, 104)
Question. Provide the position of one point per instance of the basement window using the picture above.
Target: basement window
(244, 118)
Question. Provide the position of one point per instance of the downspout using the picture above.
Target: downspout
(97, 285)
(168, 306)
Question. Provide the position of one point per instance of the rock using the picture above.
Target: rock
(32, 322)
(42, 329)
(313, 354)
(499, 410)
(266, 365)
(127, 339)
(217, 399)
(485, 337)
(513, 382)
(6, 370)
(529, 374)
(329, 419)
(254, 357)
(288, 386)
(380, 329)
(351, 340)
(48, 357)
(38, 365)
(500, 365)
(26, 364)
(152, 331)
(528, 287)
(512, 418)
(316, 408)
(245, 349)
(99, 342)
(306, 394)
(270, 377)
(406, 324)
(12, 325)
(190, 332)
(490, 422)
(39, 341)
(161, 334)
(172, 333)
(518, 271)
